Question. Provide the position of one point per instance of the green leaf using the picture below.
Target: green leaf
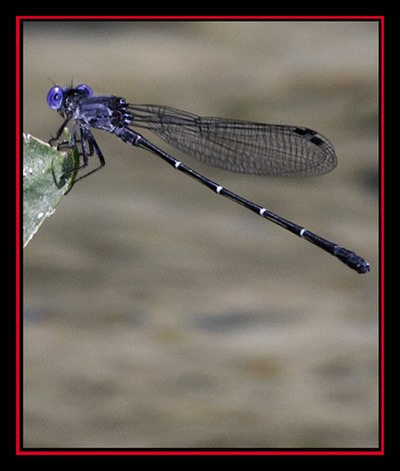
(43, 182)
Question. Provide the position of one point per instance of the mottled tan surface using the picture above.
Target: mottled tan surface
(158, 314)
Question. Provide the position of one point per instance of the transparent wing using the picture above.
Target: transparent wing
(264, 149)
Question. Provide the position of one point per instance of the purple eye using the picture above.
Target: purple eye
(85, 88)
(55, 97)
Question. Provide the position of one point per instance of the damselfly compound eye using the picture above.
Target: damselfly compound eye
(85, 88)
(55, 97)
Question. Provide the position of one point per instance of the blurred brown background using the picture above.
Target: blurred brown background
(157, 314)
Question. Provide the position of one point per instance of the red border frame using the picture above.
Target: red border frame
(21, 451)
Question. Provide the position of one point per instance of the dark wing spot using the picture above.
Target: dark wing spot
(304, 131)
(316, 140)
